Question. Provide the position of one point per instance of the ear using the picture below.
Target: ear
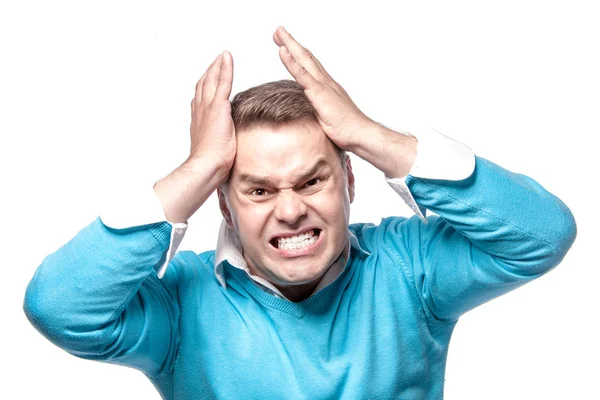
(350, 178)
(224, 207)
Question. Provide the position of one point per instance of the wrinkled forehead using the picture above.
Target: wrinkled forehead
(281, 150)
(279, 133)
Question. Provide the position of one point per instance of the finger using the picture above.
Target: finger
(225, 77)
(316, 60)
(300, 74)
(299, 53)
(201, 80)
(210, 81)
(198, 93)
(195, 106)
(279, 43)
(276, 39)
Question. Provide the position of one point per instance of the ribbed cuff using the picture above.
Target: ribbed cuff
(162, 232)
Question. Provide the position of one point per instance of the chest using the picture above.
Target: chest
(359, 346)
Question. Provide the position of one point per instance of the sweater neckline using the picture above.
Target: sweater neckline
(301, 308)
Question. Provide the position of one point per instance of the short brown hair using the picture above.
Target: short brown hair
(274, 104)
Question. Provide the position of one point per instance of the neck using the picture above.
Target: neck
(297, 293)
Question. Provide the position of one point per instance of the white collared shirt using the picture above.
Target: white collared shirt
(438, 157)
(230, 249)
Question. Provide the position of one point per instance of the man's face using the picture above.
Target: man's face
(288, 199)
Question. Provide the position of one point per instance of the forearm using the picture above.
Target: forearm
(79, 293)
(183, 192)
(391, 152)
(99, 296)
(508, 216)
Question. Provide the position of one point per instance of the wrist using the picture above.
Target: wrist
(185, 189)
(361, 134)
(216, 167)
(391, 152)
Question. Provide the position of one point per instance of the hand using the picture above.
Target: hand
(337, 114)
(212, 131)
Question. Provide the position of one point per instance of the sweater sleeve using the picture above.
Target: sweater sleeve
(496, 230)
(98, 297)
(139, 205)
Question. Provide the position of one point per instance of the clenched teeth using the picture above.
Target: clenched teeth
(297, 242)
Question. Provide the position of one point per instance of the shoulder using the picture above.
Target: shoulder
(391, 231)
(188, 266)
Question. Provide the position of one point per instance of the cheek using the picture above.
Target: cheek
(332, 206)
(250, 220)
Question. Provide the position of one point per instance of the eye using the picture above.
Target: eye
(258, 192)
(312, 182)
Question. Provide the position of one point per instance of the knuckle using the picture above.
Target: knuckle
(319, 90)
(199, 84)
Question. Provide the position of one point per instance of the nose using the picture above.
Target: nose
(290, 207)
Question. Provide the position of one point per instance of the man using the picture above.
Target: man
(295, 303)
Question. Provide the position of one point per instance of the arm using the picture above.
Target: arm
(98, 296)
(495, 230)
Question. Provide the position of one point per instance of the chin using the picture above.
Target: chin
(298, 275)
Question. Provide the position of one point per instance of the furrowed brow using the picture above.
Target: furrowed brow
(262, 181)
(319, 165)
(254, 180)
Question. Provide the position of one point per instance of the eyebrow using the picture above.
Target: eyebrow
(260, 181)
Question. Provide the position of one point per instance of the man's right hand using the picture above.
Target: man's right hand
(212, 131)
(213, 145)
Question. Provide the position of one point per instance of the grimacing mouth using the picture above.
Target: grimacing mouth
(275, 241)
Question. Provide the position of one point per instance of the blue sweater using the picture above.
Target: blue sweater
(380, 330)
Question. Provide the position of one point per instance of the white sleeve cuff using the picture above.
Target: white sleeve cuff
(141, 206)
(177, 233)
(438, 157)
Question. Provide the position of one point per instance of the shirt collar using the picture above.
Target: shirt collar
(229, 248)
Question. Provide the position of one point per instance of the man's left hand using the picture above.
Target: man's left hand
(338, 116)
(341, 120)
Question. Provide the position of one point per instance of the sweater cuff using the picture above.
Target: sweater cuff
(140, 206)
(438, 157)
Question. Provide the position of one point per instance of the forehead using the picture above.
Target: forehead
(282, 152)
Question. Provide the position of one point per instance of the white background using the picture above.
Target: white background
(95, 95)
